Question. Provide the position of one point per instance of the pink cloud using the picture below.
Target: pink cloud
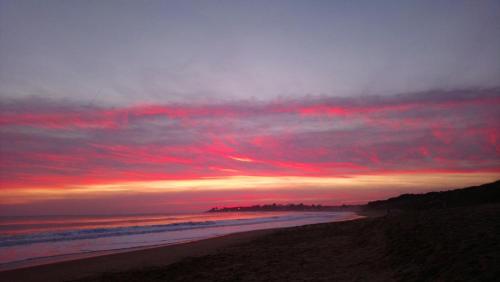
(51, 144)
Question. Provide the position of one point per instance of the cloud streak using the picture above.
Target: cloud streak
(42, 113)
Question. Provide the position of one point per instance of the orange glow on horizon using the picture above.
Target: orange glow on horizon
(415, 181)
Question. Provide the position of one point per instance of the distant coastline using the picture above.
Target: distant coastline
(476, 195)
(287, 207)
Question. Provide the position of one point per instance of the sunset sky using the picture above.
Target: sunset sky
(176, 106)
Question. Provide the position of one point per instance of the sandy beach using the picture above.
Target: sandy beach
(456, 244)
(132, 260)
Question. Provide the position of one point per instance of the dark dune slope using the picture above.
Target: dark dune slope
(477, 195)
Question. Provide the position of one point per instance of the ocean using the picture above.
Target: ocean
(33, 240)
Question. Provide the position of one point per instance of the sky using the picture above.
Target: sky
(176, 106)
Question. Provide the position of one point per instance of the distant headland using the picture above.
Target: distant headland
(287, 207)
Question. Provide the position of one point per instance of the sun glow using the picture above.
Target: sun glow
(251, 183)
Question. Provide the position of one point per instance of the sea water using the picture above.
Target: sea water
(33, 240)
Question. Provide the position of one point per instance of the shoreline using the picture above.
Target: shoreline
(400, 246)
(36, 261)
(69, 267)
(452, 244)
(128, 260)
(32, 262)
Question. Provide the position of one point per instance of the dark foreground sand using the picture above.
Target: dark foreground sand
(456, 244)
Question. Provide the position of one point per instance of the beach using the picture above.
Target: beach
(131, 260)
(457, 244)
(36, 240)
(117, 243)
